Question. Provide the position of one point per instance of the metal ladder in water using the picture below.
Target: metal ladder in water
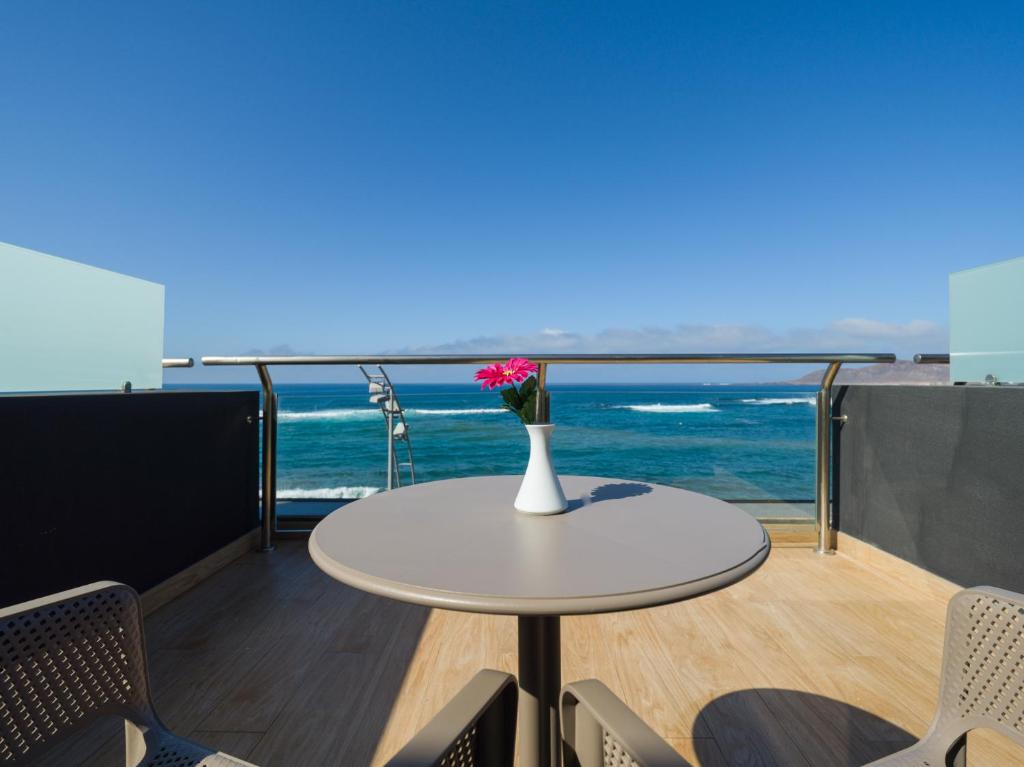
(382, 394)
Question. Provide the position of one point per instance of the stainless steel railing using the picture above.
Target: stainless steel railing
(823, 422)
(178, 362)
(931, 359)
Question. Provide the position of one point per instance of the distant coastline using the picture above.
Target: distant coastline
(899, 372)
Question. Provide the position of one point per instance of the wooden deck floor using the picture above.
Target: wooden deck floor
(813, 661)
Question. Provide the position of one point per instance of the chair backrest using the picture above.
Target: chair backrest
(599, 730)
(983, 664)
(477, 728)
(66, 660)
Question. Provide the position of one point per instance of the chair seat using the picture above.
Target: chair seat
(168, 750)
(210, 760)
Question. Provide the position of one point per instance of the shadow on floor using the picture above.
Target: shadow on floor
(788, 728)
(271, 661)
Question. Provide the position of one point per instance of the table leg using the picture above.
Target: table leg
(540, 678)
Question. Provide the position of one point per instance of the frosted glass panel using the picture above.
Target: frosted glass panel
(66, 326)
(986, 323)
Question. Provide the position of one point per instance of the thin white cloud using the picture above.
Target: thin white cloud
(279, 350)
(853, 334)
(858, 326)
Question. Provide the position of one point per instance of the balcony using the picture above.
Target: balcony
(812, 661)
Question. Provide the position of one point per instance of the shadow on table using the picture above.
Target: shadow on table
(614, 491)
(788, 727)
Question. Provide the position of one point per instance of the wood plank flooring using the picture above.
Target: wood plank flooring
(811, 662)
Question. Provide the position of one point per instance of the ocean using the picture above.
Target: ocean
(736, 442)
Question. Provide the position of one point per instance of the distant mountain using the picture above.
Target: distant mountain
(899, 372)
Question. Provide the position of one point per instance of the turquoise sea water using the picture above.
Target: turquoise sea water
(735, 442)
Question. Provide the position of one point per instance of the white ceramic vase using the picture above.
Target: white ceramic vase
(541, 492)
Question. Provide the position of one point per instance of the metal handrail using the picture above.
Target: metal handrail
(550, 359)
(931, 359)
(178, 362)
(823, 421)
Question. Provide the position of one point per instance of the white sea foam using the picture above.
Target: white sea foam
(328, 493)
(701, 407)
(779, 401)
(454, 411)
(339, 414)
(366, 414)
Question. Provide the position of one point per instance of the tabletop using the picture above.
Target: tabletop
(459, 544)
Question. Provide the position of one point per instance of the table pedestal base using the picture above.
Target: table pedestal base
(540, 679)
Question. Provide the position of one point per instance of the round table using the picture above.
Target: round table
(458, 544)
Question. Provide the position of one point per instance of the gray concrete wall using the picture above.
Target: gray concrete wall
(935, 475)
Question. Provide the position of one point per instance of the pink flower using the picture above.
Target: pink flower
(515, 370)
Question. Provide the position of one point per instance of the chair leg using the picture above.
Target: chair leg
(957, 755)
(134, 744)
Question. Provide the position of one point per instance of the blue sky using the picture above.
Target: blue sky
(388, 176)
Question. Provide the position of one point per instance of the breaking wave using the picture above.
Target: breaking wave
(701, 407)
(454, 411)
(327, 493)
(340, 414)
(366, 414)
(779, 401)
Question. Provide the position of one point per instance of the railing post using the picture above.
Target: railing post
(823, 462)
(390, 420)
(269, 477)
(543, 414)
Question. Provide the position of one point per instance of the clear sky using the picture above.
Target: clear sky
(392, 176)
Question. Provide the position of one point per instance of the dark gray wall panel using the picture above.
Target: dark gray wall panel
(935, 475)
(130, 487)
